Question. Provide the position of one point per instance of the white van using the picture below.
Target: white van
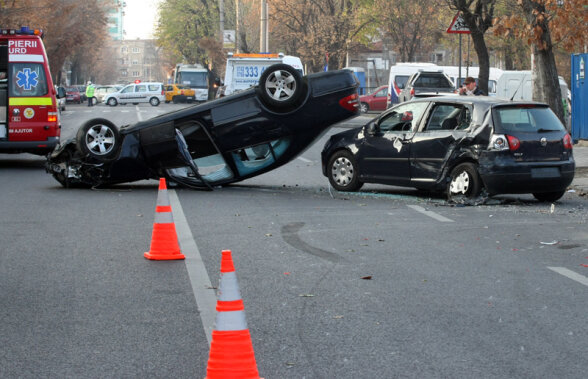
(518, 85)
(243, 70)
(148, 92)
(453, 72)
(399, 74)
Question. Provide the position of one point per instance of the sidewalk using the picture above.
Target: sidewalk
(580, 182)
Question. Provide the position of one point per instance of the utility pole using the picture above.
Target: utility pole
(236, 26)
(221, 10)
(263, 29)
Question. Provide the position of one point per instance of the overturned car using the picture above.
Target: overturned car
(215, 143)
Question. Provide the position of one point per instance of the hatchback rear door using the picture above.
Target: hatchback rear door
(534, 133)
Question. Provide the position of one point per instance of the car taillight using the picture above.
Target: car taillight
(351, 102)
(162, 92)
(567, 141)
(51, 116)
(513, 143)
(412, 92)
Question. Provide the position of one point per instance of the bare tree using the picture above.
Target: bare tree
(477, 15)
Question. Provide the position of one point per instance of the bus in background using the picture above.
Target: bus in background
(399, 74)
(29, 113)
(195, 76)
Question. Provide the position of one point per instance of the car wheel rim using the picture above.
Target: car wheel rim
(280, 85)
(460, 183)
(100, 139)
(363, 108)
(342, 171)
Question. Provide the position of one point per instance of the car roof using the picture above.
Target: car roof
(482, 100)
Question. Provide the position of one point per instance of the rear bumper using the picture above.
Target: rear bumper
(35, 147)
(528, 177)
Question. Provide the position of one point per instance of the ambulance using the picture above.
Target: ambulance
(29, 109)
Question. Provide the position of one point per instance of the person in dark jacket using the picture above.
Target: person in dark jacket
(470, 88)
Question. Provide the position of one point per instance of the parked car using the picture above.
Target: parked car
(73, 95)
(375, 101)
(218, 142)
(148, 92)
(103, 90)
(61, 95)
(426, 84)
(179, 93)
(458, 144)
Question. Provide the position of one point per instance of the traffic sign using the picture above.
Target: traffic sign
(458, 25)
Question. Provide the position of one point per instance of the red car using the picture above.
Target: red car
(73, 95)
(375, 101)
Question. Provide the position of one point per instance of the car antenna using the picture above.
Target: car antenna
(517, 90)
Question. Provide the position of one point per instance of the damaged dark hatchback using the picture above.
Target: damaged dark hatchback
(215, 143)
(464, 145)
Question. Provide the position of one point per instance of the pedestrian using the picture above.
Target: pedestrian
(90, 93)
(470, 88)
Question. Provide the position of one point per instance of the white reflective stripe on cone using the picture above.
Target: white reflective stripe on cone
(162, 198)
(163, 218)
(228, 288)
(232, 320)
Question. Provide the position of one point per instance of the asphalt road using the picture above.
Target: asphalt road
(386, 283)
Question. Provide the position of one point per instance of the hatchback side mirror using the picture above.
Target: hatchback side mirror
(372, 128)
(60, 92)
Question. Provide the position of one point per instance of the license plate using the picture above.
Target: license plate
(545, 172)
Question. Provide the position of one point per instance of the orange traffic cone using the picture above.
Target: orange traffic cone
(231, 351)
(164, 240)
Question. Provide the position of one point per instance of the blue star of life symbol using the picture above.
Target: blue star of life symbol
(27, 79)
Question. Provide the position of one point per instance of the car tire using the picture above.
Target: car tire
(154, 101)
(98, 138)
(281, 86)
(112, 102)
(464, 181)
(549, 197)
(364, 108)
(175, 100)
(167, 101)
(343, 172)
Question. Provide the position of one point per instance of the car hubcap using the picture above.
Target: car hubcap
(460, 184)
(342, 171)
(100, 139)
(280, 85)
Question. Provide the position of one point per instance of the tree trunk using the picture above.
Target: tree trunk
(546, 82)
(483, 59)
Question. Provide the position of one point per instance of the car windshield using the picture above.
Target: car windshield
(527, 119)
(432, 80)
(193, 79)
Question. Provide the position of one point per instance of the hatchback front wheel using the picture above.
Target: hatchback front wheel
(343, 173)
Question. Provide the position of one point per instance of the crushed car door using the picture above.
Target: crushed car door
(433, 145)
(208, 167)
(384, 155)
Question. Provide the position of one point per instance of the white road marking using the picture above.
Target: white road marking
(139, 117)
(431, 214)
(304, 159)
(203, 293)
(570, 274)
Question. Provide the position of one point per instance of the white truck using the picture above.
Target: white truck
(195, 76)
(243, 70)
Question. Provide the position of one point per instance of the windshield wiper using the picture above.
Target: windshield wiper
(542, 130)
